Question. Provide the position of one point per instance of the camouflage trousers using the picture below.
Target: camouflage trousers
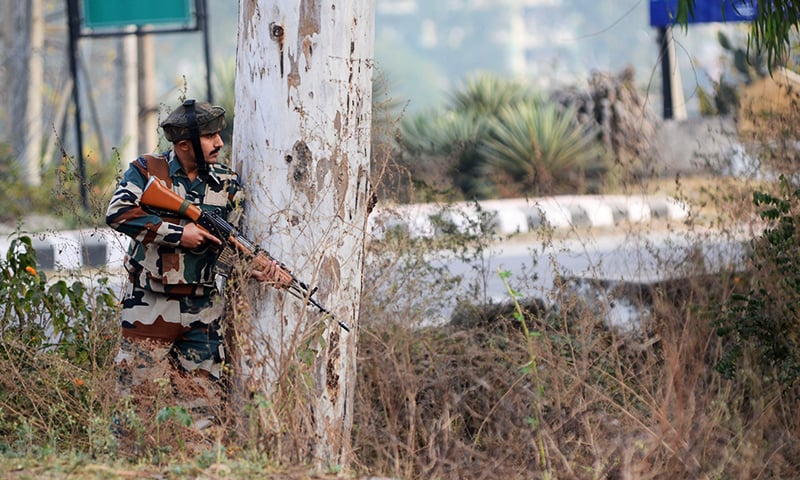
(175, 340)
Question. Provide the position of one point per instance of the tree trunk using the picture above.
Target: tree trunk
(148, 107)
(27, 66)
(129, 113)
(301, 142)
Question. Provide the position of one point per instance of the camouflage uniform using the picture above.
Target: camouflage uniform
(171, 308)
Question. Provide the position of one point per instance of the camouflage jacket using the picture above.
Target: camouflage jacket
(155, 259)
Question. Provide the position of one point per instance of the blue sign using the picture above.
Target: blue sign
(662, 12)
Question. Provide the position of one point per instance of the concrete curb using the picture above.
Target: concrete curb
(75, 249)
(523, 215)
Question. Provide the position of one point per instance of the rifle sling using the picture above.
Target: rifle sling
(157, 166)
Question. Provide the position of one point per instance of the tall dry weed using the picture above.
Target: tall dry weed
(454, 400)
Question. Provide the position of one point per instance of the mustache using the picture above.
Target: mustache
(215, 151)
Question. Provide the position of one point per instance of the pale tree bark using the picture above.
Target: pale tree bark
(148, 108)
(27, 65)
(7, 23)
(129, 116)
(301, 142)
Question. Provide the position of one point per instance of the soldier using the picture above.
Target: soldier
(171, 309)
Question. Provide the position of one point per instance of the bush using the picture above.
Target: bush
(761, 324)
(57, 340)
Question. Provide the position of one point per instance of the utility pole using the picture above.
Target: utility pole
(74, 27)
(302, 144)
(672, 87)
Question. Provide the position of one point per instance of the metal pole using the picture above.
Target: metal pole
(74, 19)
(666, 75)
(202, 19)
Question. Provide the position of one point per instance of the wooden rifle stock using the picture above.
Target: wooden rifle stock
(158, 196)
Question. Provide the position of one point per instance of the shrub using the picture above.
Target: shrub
(763, 322)
(57, 338)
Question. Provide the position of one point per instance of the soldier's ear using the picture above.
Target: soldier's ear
(184, 145)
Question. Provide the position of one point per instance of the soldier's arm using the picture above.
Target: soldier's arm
(125, 215)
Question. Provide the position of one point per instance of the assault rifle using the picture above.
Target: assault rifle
(158, 196)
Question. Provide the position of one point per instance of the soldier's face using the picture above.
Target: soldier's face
(211, 145)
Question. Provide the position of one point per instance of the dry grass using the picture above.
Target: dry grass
(457, 402)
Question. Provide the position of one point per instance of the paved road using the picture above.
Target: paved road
(643, 259)
(611, 258)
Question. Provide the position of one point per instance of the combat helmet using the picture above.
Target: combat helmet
(208, 119)
(191, 120)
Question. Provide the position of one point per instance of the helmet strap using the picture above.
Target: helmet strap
(194, 136)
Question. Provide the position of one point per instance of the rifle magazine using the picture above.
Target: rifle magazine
(225, 261)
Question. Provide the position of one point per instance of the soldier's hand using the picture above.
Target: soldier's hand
(195, 237)
(271, 272)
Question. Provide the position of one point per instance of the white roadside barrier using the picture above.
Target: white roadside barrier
(105, 248)
(512, 216)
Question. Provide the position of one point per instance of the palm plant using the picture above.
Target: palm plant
(486, 94)
(445, 150)
(498, 137)
(446, 144)
(540, 148)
